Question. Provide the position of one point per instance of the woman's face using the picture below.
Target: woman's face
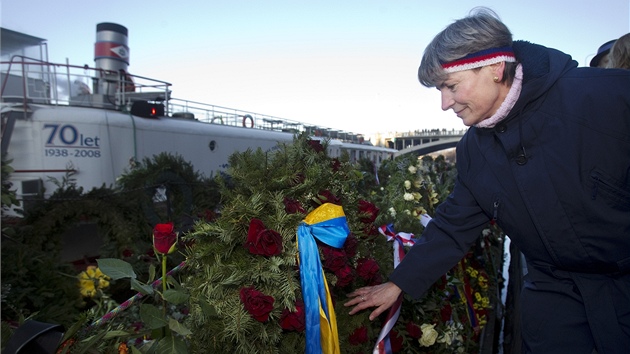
(473, 94)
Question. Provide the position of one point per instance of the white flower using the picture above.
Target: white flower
(446, 338)
(408, 197)
(392, 212)
(412, 169)
(407, 212)
(429, 335)
(407, 184)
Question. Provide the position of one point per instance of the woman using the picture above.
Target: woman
(619, 56)
(547, 158)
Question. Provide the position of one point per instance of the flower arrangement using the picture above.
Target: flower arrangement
(243, 276)
(452, 314)
(246, 295)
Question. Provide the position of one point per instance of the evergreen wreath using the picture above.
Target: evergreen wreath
(278, 188)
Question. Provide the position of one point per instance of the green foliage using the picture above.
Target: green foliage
(256, 187)
(34, 281)
(411, 187)
(9, 198)
(168, 188)
(35, 284)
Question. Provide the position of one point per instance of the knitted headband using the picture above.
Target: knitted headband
(479, 59)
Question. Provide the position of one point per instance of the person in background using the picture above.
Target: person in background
(547, 158)
(600, 60)
(619, 56)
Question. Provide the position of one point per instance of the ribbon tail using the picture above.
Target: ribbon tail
(328, 325)
(383, 337)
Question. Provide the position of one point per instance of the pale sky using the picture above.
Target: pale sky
(349, 65)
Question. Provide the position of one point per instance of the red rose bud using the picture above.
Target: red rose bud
(262, 241)
(294, 321)
(359, 336)
(334, 258)
(367, 268)
(368, 211)
(326, 196)
(164, 238)
(257, 304)
(335, 164)
(316, 145)
(344, 276)
(414, 330)
(396, 341)
(292, 206)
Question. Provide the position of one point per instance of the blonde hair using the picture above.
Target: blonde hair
(619, 56)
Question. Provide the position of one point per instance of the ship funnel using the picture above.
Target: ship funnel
(111, 55)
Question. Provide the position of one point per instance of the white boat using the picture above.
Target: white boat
(98, 121)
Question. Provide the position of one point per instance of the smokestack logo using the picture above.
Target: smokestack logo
(111, 50)
(121, 51)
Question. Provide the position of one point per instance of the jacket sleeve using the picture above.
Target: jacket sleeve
(458, 222)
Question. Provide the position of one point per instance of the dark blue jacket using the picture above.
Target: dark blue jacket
(554, 174)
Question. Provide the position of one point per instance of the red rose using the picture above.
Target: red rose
(335, 164)
(414, 330)
(292, 206)
(359, 336)
(261, 240)
(326, 196)
(368, 211)
(334, 258)
(351, 245)
(367, 268)
(256, 303)
(294, 321)
(345, 276)
(164, 237)
(376, 280)
(316, 145)
(446, 312)
(396, 341)
(371, 231)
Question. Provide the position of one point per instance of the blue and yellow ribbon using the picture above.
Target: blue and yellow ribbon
(327, 224)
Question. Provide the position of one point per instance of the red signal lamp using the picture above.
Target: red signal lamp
(147, 109)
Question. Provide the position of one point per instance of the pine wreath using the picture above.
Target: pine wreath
(277, 188)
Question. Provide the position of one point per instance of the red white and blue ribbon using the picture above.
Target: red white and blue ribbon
(383, 344)
(400, 240)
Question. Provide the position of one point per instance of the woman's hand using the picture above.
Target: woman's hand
(380, 296)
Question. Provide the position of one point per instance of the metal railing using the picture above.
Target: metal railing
(28, 80)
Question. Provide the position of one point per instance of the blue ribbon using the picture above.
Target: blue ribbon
(332, 232)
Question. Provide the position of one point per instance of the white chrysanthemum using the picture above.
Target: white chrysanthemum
(408, 197)
(407, 184)
(413, 169)
(392, 212)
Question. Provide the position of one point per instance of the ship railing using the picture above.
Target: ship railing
(214, 114)
(30, 80)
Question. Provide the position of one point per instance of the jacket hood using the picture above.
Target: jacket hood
(542, 67)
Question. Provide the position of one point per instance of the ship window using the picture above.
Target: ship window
(212, 145)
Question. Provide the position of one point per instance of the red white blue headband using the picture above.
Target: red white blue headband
(479, 59)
